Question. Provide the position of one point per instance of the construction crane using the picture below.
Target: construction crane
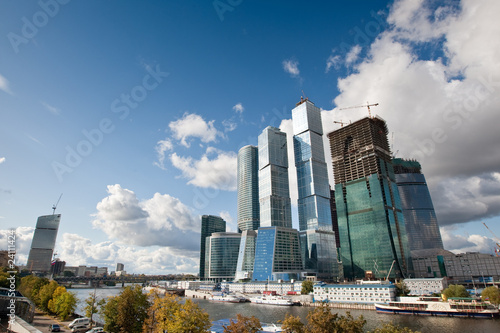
(390, 270)
(55, 206)
(361, 106)
(340, 122)
(497, 250)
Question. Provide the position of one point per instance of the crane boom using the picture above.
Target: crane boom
(361, 106)
(497, 250)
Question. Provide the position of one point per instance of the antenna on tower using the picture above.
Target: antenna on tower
(55, 206)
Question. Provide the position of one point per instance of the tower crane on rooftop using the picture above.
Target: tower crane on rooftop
(340, 122)
(497, 242)
(361, 106)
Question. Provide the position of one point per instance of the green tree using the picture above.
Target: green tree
(45, 294)
(63, 303)
(161, 312)
(307, 287)
(402, 289)
(292, 324)
(322, 320)
(455, 290)
(92, 305)
(243, 325)
(30, 287)
(189, 318)
(126, 312)
(391, 328)
(68, 274)
(491, 294)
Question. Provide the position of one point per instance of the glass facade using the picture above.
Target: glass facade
(277, 254)
(274, 193)
(420, 218)
(43, 243)
(371, 224)
(221, 255)
(319, 252)
(209, 225)
(248, 189)
(246, 255)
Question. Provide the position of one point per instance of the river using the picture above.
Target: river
(270, 314)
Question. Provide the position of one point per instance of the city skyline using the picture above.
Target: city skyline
(138, 117)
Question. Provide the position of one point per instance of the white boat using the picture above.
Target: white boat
(272, 299)
(458, 307)
(223, 297)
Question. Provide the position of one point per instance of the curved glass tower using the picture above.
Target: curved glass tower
(248, 188)
(42, 245)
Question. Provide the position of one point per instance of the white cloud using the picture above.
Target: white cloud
(353, 54)
(50, 108)
(2, 159)
(4, 85)
(218, 172)
(193, 125)
(291, 67)
(23, 235)
(466, 243)
(332, 61)
(162, 220)
(229, 125)
(238, 108)
(439, 108)
(231, 225)
(161, 148)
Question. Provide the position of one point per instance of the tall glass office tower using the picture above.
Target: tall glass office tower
(371, 222)
(317, 238)
(248, 209)
(276, 249)
(420, 218)
(209, 225)
(221, 255)
(43, 243)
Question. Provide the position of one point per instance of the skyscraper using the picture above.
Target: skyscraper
(420, 218)
(317, 238)
(221, 255)
(248, 188)
(277, 250)
(248, 209)
(371, 224)
(43, 243)
(209, 225)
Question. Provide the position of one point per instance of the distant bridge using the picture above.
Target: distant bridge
(97, 280)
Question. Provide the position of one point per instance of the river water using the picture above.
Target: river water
(271, 314)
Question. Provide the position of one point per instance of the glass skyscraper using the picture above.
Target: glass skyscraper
(317, 238)
(371, 223)
(277, 254)
(248, 188)
(43, 243)
(209, 225)
(420, 218)
(248, 209)
(221, 255)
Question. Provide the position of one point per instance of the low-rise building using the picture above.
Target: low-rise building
(256, 287)
(421, 287)
(365, 293)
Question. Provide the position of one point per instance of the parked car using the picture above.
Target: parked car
(80, 328)
(96, 330)
(54, 328)
(79, 321)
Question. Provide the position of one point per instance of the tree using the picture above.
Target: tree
(126, 312)
(455, 290)
(391, 328)
(68, 274)
(189, 318)
(292, 324)
(243, 325)
(402, 289)
(46, 294)
(63, 303)
(307, 287)
(30, 287)
(322, 320)
(491, 294)
(92, 305)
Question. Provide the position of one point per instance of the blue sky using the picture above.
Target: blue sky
(135, 111)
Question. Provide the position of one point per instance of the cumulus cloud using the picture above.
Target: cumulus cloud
(4, 85)
(466, 243)
(50, 108)
(218, 172)
(161, 148)
(291, 67)
(332, 61)
(193, 125)
(238, 108)
(2, 159)
(353, 54)
(438, 103)
(23, 235)
(160, 221)
(229, 125)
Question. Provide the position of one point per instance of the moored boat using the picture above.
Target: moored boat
(427, 306)
(271, 299)
(223, 297)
